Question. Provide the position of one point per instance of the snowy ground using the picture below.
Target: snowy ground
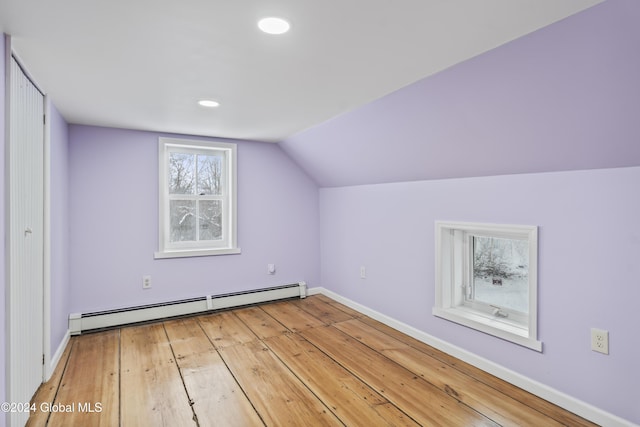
(513, 293)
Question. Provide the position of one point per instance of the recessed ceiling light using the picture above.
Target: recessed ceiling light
(208, 103)
(273, 25)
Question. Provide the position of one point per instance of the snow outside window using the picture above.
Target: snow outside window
(197, 209)
(486, 279)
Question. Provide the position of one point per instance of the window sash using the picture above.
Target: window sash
(226, 198)
(490, 308)
(198, 241)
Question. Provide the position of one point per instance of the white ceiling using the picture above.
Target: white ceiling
(143, 64)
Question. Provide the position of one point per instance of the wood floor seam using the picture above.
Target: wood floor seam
(234, 378)
(195, 416)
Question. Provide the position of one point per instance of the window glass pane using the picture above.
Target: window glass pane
(183, 220)
(501, 272)
(210, 219)
(181, 173)
(209, 175)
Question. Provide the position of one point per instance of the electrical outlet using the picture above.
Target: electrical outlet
(600, 340)
(363, 272)
(146, 282)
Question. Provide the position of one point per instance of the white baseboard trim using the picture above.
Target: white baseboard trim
(318, 290)
(55, 359)
(550, 394)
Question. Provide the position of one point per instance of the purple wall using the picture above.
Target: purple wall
(113, 195)
(562, 98)
(565, 98)
(3, 290)
(59, 180)
(588, 248)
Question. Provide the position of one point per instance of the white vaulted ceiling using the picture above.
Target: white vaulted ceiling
(144, 64)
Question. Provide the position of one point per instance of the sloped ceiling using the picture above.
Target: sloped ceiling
(143, 64)
(566, 97)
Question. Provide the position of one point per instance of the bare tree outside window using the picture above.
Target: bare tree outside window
(500, 272)
(209, 175)
(181, 173)
(198, 218)
(210, 219)
(183, 220)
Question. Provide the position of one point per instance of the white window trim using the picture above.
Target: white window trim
(231, 224)
(452, 275)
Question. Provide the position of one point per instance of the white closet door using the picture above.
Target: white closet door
(26, 238)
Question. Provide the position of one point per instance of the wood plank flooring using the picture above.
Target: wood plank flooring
(310, 362)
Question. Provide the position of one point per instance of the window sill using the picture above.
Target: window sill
(196, 253)
(500, 328)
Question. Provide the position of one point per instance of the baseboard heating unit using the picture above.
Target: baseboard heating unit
(83, 322)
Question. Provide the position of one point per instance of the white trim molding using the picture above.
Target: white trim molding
(55, 359)
(46, 289)
(543, 391)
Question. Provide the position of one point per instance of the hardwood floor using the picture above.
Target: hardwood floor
(310, 362)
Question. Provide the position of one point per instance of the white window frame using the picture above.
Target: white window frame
(228, 243)
(454, 271)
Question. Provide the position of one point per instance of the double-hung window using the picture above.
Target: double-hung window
(486, 279)
(197, 200)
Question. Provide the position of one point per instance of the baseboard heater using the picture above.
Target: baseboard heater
(83, 322)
